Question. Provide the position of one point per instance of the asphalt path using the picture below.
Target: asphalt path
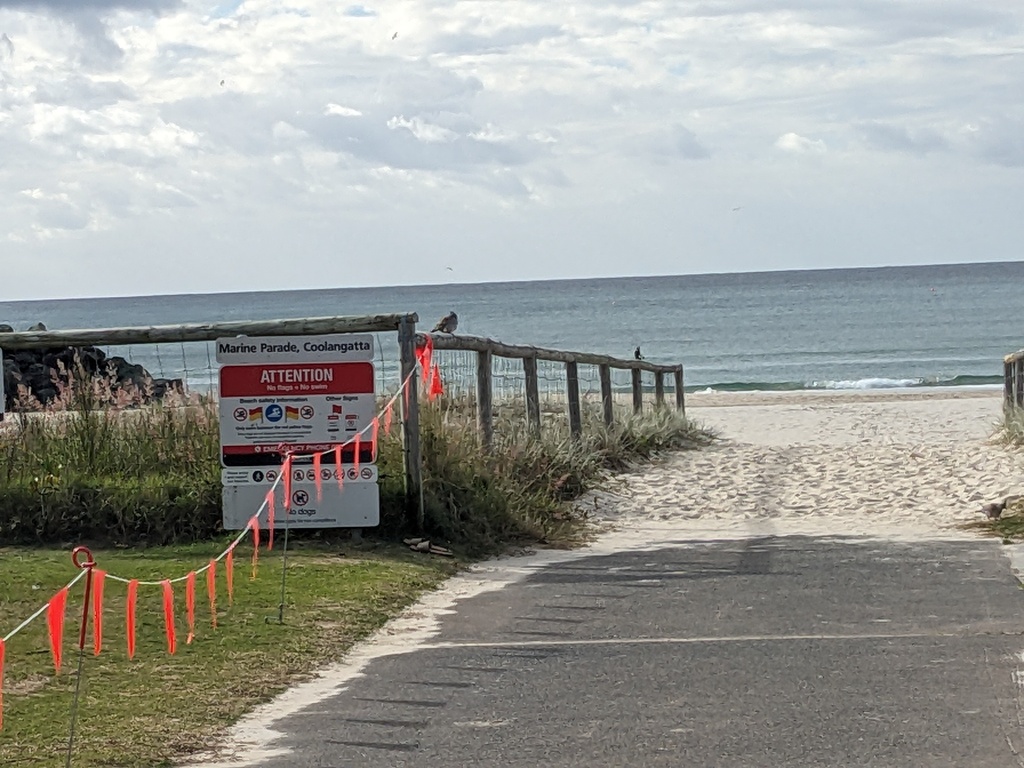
(772, 651)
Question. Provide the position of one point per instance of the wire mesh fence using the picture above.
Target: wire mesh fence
(458, 369)
(132, 374)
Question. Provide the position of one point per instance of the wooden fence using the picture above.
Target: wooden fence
(1013, 380)
(408, 340)
(487, 349)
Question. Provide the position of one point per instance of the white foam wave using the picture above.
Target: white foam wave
(872, 383)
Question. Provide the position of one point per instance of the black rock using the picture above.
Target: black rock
(43, 372)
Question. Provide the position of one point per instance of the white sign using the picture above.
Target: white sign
(353, 505)
(302, 473)
(332, 348)
(299, 395)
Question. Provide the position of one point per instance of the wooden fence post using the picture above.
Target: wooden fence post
(659, 389)
(638, 390)
(532, 395)
(677, 375)
(484, 409)
(1019, 381)
(411, 457)
(572, 388)
(604, 371)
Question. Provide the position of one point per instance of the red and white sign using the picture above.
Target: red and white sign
(273, 408)
(297, 395)
(264, 380)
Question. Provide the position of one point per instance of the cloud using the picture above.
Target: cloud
(685, 144)
(792, 142)
(997, 140)
(76, 7)
(340, 111)
(591, 125)
(902, 138)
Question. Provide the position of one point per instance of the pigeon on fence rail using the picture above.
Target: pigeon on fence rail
(447, 324)
(637, 355)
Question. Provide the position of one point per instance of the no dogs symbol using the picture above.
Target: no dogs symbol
(300, 498)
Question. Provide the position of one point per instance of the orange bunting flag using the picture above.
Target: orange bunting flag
(339, 471)
(355, 452)
(1, 683)
(172, 639)
(373, 439)
(229, 567)
(190, 606)
(316, 473)
(55, 623)
(270, 518)
(388, 416)
(424, 355)
(211, 591)
(421, 354)
(429, 382)
(436, 385)
(133, 589)
(98, 579)
(255, 525)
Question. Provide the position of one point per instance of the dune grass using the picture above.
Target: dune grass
(1009, 526)
(1013, 426)
(110, 469)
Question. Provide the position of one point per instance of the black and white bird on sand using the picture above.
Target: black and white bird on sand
(447, 324)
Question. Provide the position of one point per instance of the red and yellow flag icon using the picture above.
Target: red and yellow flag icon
(256, 414)
(290, 412)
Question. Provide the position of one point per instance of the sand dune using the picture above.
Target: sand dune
(857, 464)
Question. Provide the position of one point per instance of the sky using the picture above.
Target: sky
(179, 146)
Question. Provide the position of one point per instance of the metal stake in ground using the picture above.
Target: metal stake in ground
(284, 550)
(284, 570)
(88, 564)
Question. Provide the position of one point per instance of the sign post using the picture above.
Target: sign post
(298, 395)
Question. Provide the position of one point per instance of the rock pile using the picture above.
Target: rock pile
(40, 371)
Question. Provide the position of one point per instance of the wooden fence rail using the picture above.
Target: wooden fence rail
(1013, 380)
(173, 334)
(488, 349)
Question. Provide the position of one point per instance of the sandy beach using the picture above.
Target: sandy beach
(859, 463)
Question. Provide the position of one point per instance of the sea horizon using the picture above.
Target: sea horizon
(530, 281)
(859, 328)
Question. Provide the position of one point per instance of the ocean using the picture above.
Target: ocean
(888, 327)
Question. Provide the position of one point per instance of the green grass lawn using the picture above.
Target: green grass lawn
(155, 707)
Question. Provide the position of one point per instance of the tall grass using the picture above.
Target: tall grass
(1013, 426)
(108, 465)
(104, 462)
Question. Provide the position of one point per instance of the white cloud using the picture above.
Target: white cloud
(337, 109)
(578, 134)
(422, 130)
(792, 142)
